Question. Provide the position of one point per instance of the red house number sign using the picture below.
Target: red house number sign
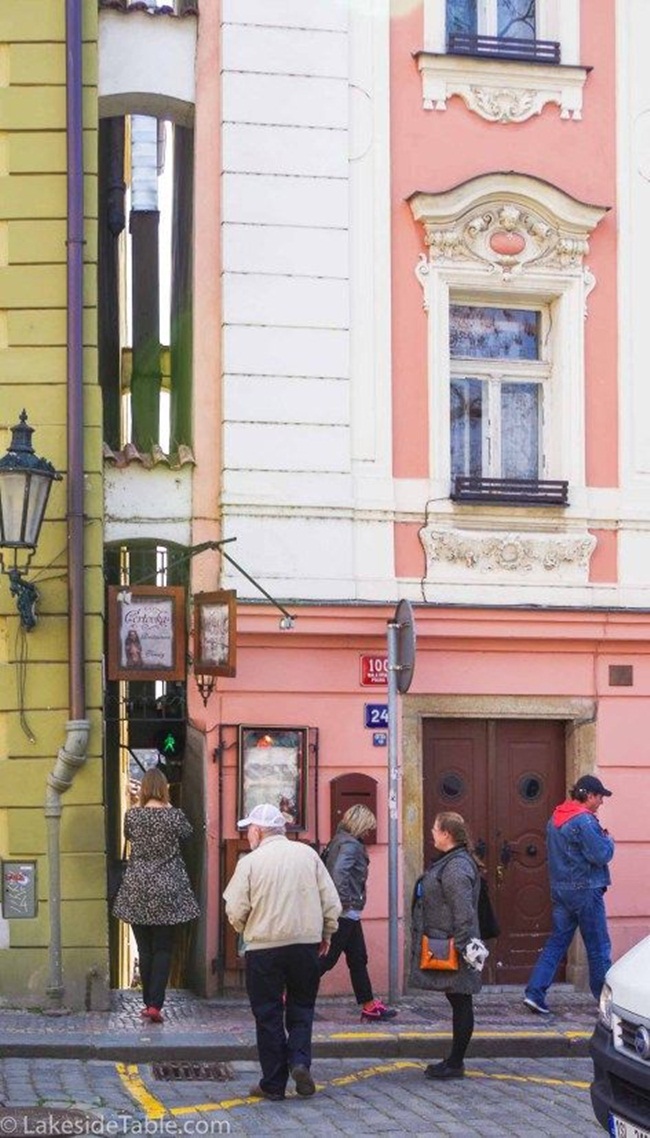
(374, 671)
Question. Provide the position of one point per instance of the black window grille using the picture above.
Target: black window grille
(503, 47)
(510, 491)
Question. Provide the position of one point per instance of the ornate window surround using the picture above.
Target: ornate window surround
(508, 239)
(504, 90)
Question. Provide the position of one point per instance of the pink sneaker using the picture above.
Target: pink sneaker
(376, 1010)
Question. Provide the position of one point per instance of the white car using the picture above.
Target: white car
(620, 1047)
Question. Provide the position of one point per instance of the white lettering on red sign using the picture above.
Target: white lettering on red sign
(373, 671)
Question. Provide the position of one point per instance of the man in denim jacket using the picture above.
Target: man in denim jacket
(579, 851)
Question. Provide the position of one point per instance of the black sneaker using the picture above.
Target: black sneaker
(444, 1071)
(258, 1092)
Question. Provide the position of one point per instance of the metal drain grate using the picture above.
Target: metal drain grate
(185, 1071)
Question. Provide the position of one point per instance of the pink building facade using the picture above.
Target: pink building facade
(418, 374)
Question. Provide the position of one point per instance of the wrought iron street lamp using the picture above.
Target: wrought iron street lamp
(25, 484)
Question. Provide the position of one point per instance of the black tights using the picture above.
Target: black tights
(462, 1010)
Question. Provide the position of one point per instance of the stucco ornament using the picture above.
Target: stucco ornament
(481, 236)
(506, 554)
(507, 224)
(504, 104)
(528, 88)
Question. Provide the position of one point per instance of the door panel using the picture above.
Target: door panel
(505, 777)
(454, 775)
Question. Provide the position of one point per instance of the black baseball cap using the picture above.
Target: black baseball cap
(592, 785)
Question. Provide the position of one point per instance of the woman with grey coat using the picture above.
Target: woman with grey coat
(447, 908)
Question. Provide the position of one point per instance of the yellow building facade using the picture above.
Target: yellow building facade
(51, 777)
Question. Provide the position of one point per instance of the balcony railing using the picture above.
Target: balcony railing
(510, 491)
(503, 47)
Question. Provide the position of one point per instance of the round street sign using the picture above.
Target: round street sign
(405, 645)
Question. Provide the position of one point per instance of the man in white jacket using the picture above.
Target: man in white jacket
(285, 904)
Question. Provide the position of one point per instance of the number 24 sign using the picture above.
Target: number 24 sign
(375, 714)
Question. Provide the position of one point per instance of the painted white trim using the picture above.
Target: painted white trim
(370, 272)
(502, 90)
(147, 65)
(471, 260)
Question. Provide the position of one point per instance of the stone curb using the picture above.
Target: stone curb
(409, 1044)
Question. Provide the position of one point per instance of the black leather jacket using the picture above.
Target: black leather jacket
(347, 863)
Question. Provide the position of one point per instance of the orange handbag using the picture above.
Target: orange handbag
(438, 954)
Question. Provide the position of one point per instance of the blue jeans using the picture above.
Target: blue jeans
(573, 909)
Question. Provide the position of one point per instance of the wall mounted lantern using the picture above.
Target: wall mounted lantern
(25, 484)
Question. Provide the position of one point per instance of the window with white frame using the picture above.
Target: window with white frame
(498, 372)
(505, 290)
(501, 57)
(502, 19)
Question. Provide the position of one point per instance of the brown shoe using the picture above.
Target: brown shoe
(305, 1085)
(273, 1096)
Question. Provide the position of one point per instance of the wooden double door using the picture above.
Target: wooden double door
(505, 777)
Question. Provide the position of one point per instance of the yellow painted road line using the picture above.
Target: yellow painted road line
(540, 1079)
(225, 1104)
(130, 1077)
(360, 1035)
(153, 1108)
(524, 1034)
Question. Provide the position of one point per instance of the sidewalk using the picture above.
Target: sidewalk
(223, 1029)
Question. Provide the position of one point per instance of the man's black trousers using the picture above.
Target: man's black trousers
(282, 985)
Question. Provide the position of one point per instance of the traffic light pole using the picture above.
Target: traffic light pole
(393, 774)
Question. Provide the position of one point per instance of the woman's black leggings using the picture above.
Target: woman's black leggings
(462, 1009)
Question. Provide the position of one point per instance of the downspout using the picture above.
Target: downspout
(72, 755)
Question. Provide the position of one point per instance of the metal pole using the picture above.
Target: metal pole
(393, 953)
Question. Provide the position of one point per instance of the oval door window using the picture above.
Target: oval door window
(530, 787)
(451, 786)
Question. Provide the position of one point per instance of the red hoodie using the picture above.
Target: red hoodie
(568, 810)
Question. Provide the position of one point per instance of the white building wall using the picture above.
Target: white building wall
(306, 374)
(633, 110)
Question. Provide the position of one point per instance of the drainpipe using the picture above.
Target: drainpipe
(73, 753)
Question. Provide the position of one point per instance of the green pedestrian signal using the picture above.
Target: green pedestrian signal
(170, 740)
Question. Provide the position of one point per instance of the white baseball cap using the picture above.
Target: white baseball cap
(266, 815)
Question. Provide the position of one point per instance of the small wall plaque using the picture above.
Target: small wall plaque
(621, 676)
(19, 895)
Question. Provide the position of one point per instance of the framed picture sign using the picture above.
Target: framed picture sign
(146, 632)
(215, 633)
(273, 768)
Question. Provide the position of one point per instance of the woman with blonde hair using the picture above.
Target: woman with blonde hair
(445, 908)
(155, 895)
(347, 863)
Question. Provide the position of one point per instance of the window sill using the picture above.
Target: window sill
(500, 90)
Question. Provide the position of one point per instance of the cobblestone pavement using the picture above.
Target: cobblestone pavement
(498, 1098)
(224, 1028)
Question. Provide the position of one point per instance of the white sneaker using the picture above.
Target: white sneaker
(536, 1006)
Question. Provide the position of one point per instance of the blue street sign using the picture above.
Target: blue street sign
(375, 714)
(379, 739)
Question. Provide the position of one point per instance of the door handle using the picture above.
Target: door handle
(505, 857)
